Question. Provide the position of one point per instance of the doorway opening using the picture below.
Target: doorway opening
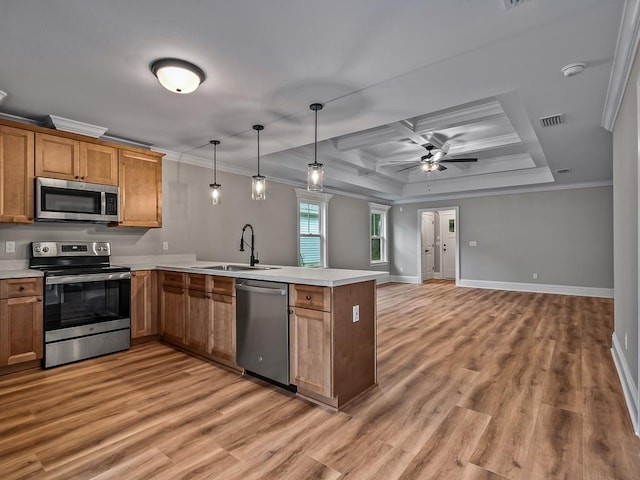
(438, 244)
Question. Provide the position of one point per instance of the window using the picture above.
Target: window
(312, 228)
(378, 227)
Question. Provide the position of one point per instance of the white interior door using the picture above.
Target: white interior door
(448, 226)
(428, 245)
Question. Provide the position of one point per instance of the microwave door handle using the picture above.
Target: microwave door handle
(103, 204)
(90, 277)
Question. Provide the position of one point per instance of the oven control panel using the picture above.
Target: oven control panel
(70, 249)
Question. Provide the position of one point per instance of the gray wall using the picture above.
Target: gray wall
(192, 225)
(625, 221)
(565, 236)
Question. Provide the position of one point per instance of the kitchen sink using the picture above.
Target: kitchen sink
(236, 268)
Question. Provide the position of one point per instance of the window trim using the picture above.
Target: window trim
(382, 210)
(321, 199)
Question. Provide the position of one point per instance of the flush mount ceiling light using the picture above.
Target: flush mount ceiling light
(258, 182)
(215, 189)
(315, 170)
(573, 69)
(178, 76)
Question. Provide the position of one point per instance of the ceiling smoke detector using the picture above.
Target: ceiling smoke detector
(573, 69)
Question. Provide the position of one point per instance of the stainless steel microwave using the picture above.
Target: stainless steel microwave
(64, 200)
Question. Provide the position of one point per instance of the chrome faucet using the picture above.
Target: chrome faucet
(252, 260)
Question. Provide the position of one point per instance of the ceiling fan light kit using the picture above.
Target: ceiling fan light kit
(176, 75)
(215, 189)
(258, 182)
(315, 170)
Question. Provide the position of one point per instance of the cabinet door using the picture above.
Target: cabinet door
(223, 336)
(143, 304)
(172, 312)
(57, 157)
(16, 175)
(199, 320)
(140, 189)
(311, 354)
(98, 164)
(20, 330)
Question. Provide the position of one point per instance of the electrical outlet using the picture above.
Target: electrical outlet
(356, 313)
(473, 243)
(625, 341)
(10, 247)
(535, 276)
(165, 246)
(401, 269)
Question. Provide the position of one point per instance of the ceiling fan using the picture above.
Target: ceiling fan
(433, 159)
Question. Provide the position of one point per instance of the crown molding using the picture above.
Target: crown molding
(3, 95)
(626, 48)
(74, 126)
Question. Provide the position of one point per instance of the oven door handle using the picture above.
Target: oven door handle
(89, 277)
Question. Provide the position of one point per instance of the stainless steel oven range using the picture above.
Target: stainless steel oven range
(87, 301)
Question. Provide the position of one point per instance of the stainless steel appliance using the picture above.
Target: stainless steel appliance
(262, 329)
(87, 301)
(64, 200)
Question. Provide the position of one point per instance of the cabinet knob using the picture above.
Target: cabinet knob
(207, 296)
(29, 218)
(39, 299)
(308, 297)
(21, 288)
(290, 311)
(77, 177)
(81, 178)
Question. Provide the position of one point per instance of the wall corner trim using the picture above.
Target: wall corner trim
(626, 47)
(538, 288)
(628, 386)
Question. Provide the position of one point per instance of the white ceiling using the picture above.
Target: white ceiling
(388, 71)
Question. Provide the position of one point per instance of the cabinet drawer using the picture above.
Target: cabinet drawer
(20, 287)
(176, 279)
(308, 296)
(224, 285)
(197, 281)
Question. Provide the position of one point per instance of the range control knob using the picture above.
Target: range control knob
(45, 249)
(36, 249)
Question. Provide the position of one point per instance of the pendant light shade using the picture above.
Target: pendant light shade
(315, 170)
(258, 182)
(215, 189)
(178, 76)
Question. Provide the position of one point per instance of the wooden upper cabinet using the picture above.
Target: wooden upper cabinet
(16, 175)
(68, 159)
(57, 157)
(140, 189)
(98, 164)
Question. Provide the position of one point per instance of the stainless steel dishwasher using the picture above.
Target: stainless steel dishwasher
(262, 328)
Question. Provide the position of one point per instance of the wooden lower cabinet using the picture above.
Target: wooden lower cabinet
(21, 314)
(199, 323)
(332, 358)
(207, 324)
(172, 313)
(310, 334)
(144, 318)
(223, 334)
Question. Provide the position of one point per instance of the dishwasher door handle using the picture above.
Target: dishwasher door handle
(268, 291)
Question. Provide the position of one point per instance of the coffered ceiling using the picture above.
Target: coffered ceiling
(393, 75)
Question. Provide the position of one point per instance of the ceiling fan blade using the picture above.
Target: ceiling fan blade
(408, 168)
(458, 160)
(441, 168)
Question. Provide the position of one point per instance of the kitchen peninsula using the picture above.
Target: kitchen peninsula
(332, 321)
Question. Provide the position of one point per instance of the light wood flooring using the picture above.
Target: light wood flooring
(473, 384)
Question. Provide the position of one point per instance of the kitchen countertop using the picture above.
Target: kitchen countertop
(20, 273)
(324, 277)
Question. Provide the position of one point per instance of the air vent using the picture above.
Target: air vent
(563, 170)
(551, 120)
(513, 3)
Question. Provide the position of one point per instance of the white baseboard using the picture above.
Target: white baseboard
(628, 385)
(385, 279)
(437, 275)
(404, 279)
(538, 288)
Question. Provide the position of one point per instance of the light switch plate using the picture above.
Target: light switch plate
(10, 247)
(165, 246)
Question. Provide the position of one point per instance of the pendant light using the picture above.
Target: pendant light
(215, 189)
(315, 170)
(258, 182)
